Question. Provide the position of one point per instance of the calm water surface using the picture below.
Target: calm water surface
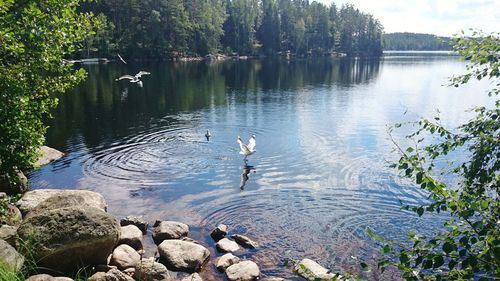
(319, 177)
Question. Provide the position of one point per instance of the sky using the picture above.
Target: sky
(439, 17)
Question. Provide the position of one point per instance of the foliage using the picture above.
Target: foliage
(469, 245)
(35, 36)
(5, 215)
(408, 41)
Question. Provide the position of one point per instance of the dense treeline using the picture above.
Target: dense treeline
(404, 41)
(161, 29)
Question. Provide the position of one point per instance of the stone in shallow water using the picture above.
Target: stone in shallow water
(112, 275)
(169, 230)
(225, 245)
(312, 271)
(219, 232)
(148, 269)
(137, 221)
(124, 257)
(226, 261)
(244, 241)
(182, 255)
(243, 271)
(192, 277)
(132, 236)
(47, 155)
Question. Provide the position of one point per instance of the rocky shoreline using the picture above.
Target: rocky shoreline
(61, 233)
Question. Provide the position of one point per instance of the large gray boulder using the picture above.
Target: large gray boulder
(47, 155)
(9, 256)
(169, 230)
(67, 238)
(148, 269)
(312, 271)
(132, 236)
(183, 255)
(32, 199)
(124, 257)
(111, 275)
(243, 271)
(226, 261)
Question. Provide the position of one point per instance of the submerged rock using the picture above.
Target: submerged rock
(148, 269)
(182, 255)
(226, 261)
(219, 232)
(47, 155)
(244, 241)
(225, 245)
(124, 257)
(132, 236)
(169, 230)
(137, 221)
(243, 271)
(9, 256)
(312, 271)
(68, 238)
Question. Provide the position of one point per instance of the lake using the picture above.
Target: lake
(320, 175)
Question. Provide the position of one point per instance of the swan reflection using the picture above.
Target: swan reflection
(244, 175)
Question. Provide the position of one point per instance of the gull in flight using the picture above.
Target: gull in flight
(247, 149)
(208, 135)
(135, 78)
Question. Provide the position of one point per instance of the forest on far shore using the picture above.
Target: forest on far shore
(165, 29)
(407, 41)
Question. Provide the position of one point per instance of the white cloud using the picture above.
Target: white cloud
(441, 17)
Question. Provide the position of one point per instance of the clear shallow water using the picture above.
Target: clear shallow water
(319, 177)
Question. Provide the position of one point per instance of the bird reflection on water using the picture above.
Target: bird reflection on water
(244, 175)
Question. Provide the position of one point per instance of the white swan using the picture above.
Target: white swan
(247, 149)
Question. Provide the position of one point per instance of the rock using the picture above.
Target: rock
(273, 279)
(225, 245)
(189, 240)
(183, 255)
(137, 221)
(129, 271)
(67, 238)
(312, 271)
(46, 277)
(9, 256)
(47, 155)
(132, 236)
(219, 232)
(226, 261)
(124, 257)
(31, 199)
(13, 216)
(169, 230)
(148, 269)
(104, 267)
(112, 275)
(9, 234)
(192, 277)
(13, 184)
(61, 200)
(244, 241)
(243, 271)
(3, 195)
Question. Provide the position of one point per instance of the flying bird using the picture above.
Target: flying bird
(135, 78)
(208, 135)
(247, 149)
